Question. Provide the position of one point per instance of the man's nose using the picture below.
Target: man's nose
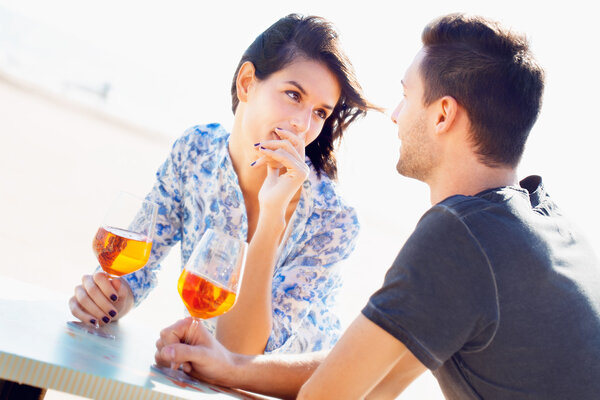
(396, 112)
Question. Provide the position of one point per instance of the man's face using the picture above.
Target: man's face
(415, 127)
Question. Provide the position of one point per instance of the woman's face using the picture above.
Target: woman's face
(298, 98)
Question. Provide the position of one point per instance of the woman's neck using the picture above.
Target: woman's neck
(241, 155)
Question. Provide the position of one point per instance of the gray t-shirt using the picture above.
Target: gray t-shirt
(499, 295)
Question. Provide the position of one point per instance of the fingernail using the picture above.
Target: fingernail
(106, 320)
(112, 313)
(252, 164)
(93, 321)
(256, 144)
(113, 297)
(263, 148)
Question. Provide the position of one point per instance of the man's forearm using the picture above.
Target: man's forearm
(274, 375)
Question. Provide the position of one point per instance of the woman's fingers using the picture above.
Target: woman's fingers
(80, 313)
(93, 301)
(297, 140)
(285, 145)
(109, 287)
(293, 165)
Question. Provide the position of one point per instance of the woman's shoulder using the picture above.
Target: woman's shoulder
(202, 138)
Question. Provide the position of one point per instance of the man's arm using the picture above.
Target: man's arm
(367, 361)
(207, 359)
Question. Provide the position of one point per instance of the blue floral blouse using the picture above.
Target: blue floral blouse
(197, 188)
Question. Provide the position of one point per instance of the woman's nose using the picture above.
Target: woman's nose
(301, 120)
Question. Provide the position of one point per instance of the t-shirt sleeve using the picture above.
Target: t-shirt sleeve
(440, 295)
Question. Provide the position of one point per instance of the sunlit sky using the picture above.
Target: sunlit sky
(170, 64)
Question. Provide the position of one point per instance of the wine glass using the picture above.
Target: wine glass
(124, 240)
(210, 281)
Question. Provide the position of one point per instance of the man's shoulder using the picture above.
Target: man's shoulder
(461, 206)
(451, 211)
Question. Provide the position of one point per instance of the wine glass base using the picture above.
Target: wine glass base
(100, 331)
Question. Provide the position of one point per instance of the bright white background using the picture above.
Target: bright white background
(169, 65)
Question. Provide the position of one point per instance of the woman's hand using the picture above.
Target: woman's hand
(100, 300)
(288, 153)
(189, 344)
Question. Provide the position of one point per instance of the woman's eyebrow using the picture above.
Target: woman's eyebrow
(299, 86)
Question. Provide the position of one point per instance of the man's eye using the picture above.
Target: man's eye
(293, 95)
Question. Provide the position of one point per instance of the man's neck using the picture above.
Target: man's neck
(468, 179)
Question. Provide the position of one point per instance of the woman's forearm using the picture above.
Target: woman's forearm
(247, 327)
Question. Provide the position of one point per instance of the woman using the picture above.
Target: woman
(268, 182)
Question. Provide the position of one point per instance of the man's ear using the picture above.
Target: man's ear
(447, 110)
(245, 78)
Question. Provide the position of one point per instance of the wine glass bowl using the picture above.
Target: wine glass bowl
(123, 242)
(209, 282)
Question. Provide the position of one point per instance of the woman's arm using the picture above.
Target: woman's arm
(247, 327)
(303, 289)
(100, 300)
(167, 193)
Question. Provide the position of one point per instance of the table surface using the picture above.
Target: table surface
(39, 347)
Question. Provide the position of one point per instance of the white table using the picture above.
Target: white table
(39, 348)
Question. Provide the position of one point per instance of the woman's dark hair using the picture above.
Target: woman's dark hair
(492, 73)
(313, 38)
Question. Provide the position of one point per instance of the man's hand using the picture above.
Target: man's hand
(189, 344)
(206, 359)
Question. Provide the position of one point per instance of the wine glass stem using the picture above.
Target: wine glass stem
(191, 331)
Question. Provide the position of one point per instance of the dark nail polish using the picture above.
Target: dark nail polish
(256, 144)
(112, 313)
(252, 164)
(93, 321)
(113, 297)
(106, 320)
(263, 148)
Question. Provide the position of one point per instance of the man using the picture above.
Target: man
(494, 292)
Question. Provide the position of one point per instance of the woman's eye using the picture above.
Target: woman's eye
(293, 95)
(321, 114)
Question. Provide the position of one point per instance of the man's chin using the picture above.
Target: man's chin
(408, 172)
